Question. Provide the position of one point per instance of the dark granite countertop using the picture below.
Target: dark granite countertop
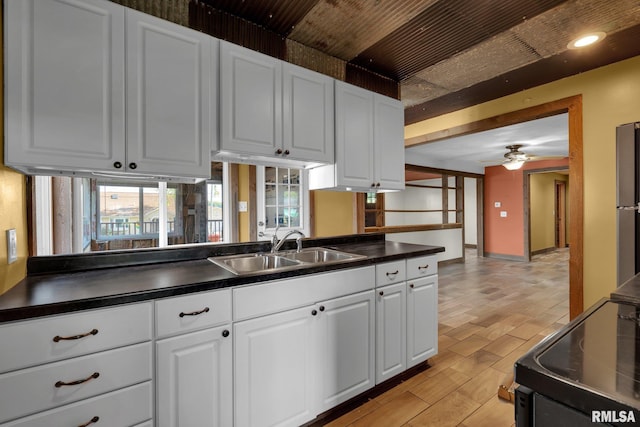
(61, 284)
(629, 291)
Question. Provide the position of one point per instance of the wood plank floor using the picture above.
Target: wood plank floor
(490, 313)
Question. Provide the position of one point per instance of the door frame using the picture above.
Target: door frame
(573, 106)
(560, 205)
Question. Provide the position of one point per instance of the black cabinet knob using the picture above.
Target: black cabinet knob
(225, 333)
(132, 165)
(381, 293)
(314, 312)
(322, 308)
(117, 165)
(286, 152)
(279, 151)
(412, 286)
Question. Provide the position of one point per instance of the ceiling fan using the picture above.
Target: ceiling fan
(514, 158)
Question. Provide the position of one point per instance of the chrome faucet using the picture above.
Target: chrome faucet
(275, 245)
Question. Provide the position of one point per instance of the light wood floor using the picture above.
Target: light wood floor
(490, 313)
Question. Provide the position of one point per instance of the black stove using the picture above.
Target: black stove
(587, 373)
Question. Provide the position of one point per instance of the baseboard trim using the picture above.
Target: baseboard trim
(470, 246)
(505, 257)
(351, 404)
(543, 251)
(451, 261)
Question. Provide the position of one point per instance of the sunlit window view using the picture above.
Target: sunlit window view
(283, 200)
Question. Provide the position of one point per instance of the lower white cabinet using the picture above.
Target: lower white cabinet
(346, 339)
(291, 366)
(391, 325)
(194, 379)
(422, 319)
(276, 360)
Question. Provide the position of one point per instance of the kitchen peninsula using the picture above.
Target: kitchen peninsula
(280, 347)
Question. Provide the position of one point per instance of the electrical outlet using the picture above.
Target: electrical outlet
(12, 246)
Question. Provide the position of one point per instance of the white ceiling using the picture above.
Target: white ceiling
(547, 137)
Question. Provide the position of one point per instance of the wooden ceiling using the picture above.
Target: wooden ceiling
(450, 54)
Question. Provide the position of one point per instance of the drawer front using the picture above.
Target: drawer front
(422, 266)
(192, 312)
(35, 342)
(32, 390)
(391, 272)
(126, 407)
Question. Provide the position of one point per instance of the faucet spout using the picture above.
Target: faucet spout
(300, 234)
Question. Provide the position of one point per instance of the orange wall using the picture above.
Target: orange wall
(505, 236)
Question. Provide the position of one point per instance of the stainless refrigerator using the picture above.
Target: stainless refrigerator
(628, 200)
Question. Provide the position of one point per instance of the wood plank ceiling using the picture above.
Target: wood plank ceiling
(450, 54)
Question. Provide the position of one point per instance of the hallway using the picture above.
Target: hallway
(490, 313)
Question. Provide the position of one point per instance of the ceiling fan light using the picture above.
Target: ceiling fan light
(586, 40)
(513, 164)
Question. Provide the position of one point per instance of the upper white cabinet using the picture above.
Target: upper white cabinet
(64, 84)
(369, 143)
(272, 112)
(71, 67)
(169, 120)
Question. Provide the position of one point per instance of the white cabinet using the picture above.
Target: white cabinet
(422, 319)
(307, 357)
(272, 112)
(194, 379)
(391, 331)
(169, 78)
(346, 348)
(69, 369)
(72, 66)
(194, 375)
(369, 143)
(275, 369)
(64, 82)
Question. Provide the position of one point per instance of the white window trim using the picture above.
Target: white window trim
(260, 201)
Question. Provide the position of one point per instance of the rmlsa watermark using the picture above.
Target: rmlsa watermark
(613, 417)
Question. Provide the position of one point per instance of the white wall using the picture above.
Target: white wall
(450, 239)
(470, 212)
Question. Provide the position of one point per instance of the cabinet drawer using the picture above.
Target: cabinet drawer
(391, 272)
(191, 312)
(35, 342)
(33, 390)
(422, 266)
(125, 407)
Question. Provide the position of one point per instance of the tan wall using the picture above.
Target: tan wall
(610, 96)
(333, 213)
(13, 208)
(542, 212)
(243, 195)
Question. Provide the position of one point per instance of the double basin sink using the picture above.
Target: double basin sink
(245, 264)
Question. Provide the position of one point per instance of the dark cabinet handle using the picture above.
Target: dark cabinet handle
(412, 286)
(194, 313)
(279, 151)
(91, 421)
(77, 382)
(392, 273)
(423, 267)
(381, 293)
(286, 152)
(314, 312)
(75, 337)
(321, 308)
(377, 184)
(132, 165)
(373, 185)
(225, 333)
(117, 165)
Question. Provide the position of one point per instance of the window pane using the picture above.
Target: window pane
(151, 211)
(271, 221)
(214, 213)
(270, 195)
(119, 211)
(283, 200)
(283, 176)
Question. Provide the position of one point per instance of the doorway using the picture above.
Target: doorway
(560, 210)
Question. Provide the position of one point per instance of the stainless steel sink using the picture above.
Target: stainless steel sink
(321, 255)
(247, 264)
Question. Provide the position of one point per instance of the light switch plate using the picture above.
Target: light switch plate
(503, 214)
(12, 246)
(497, 204)
(242, 206)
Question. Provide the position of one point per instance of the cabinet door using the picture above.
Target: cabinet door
(347, 334)
(251, 101)
(194, 379)
(391, 321)
(307, 105)
(422, 319)
(389, 143)
(64, 84)
(168, 105)
(354, 136)
(275, 369)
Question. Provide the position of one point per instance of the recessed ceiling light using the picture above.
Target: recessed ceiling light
(586, 40)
